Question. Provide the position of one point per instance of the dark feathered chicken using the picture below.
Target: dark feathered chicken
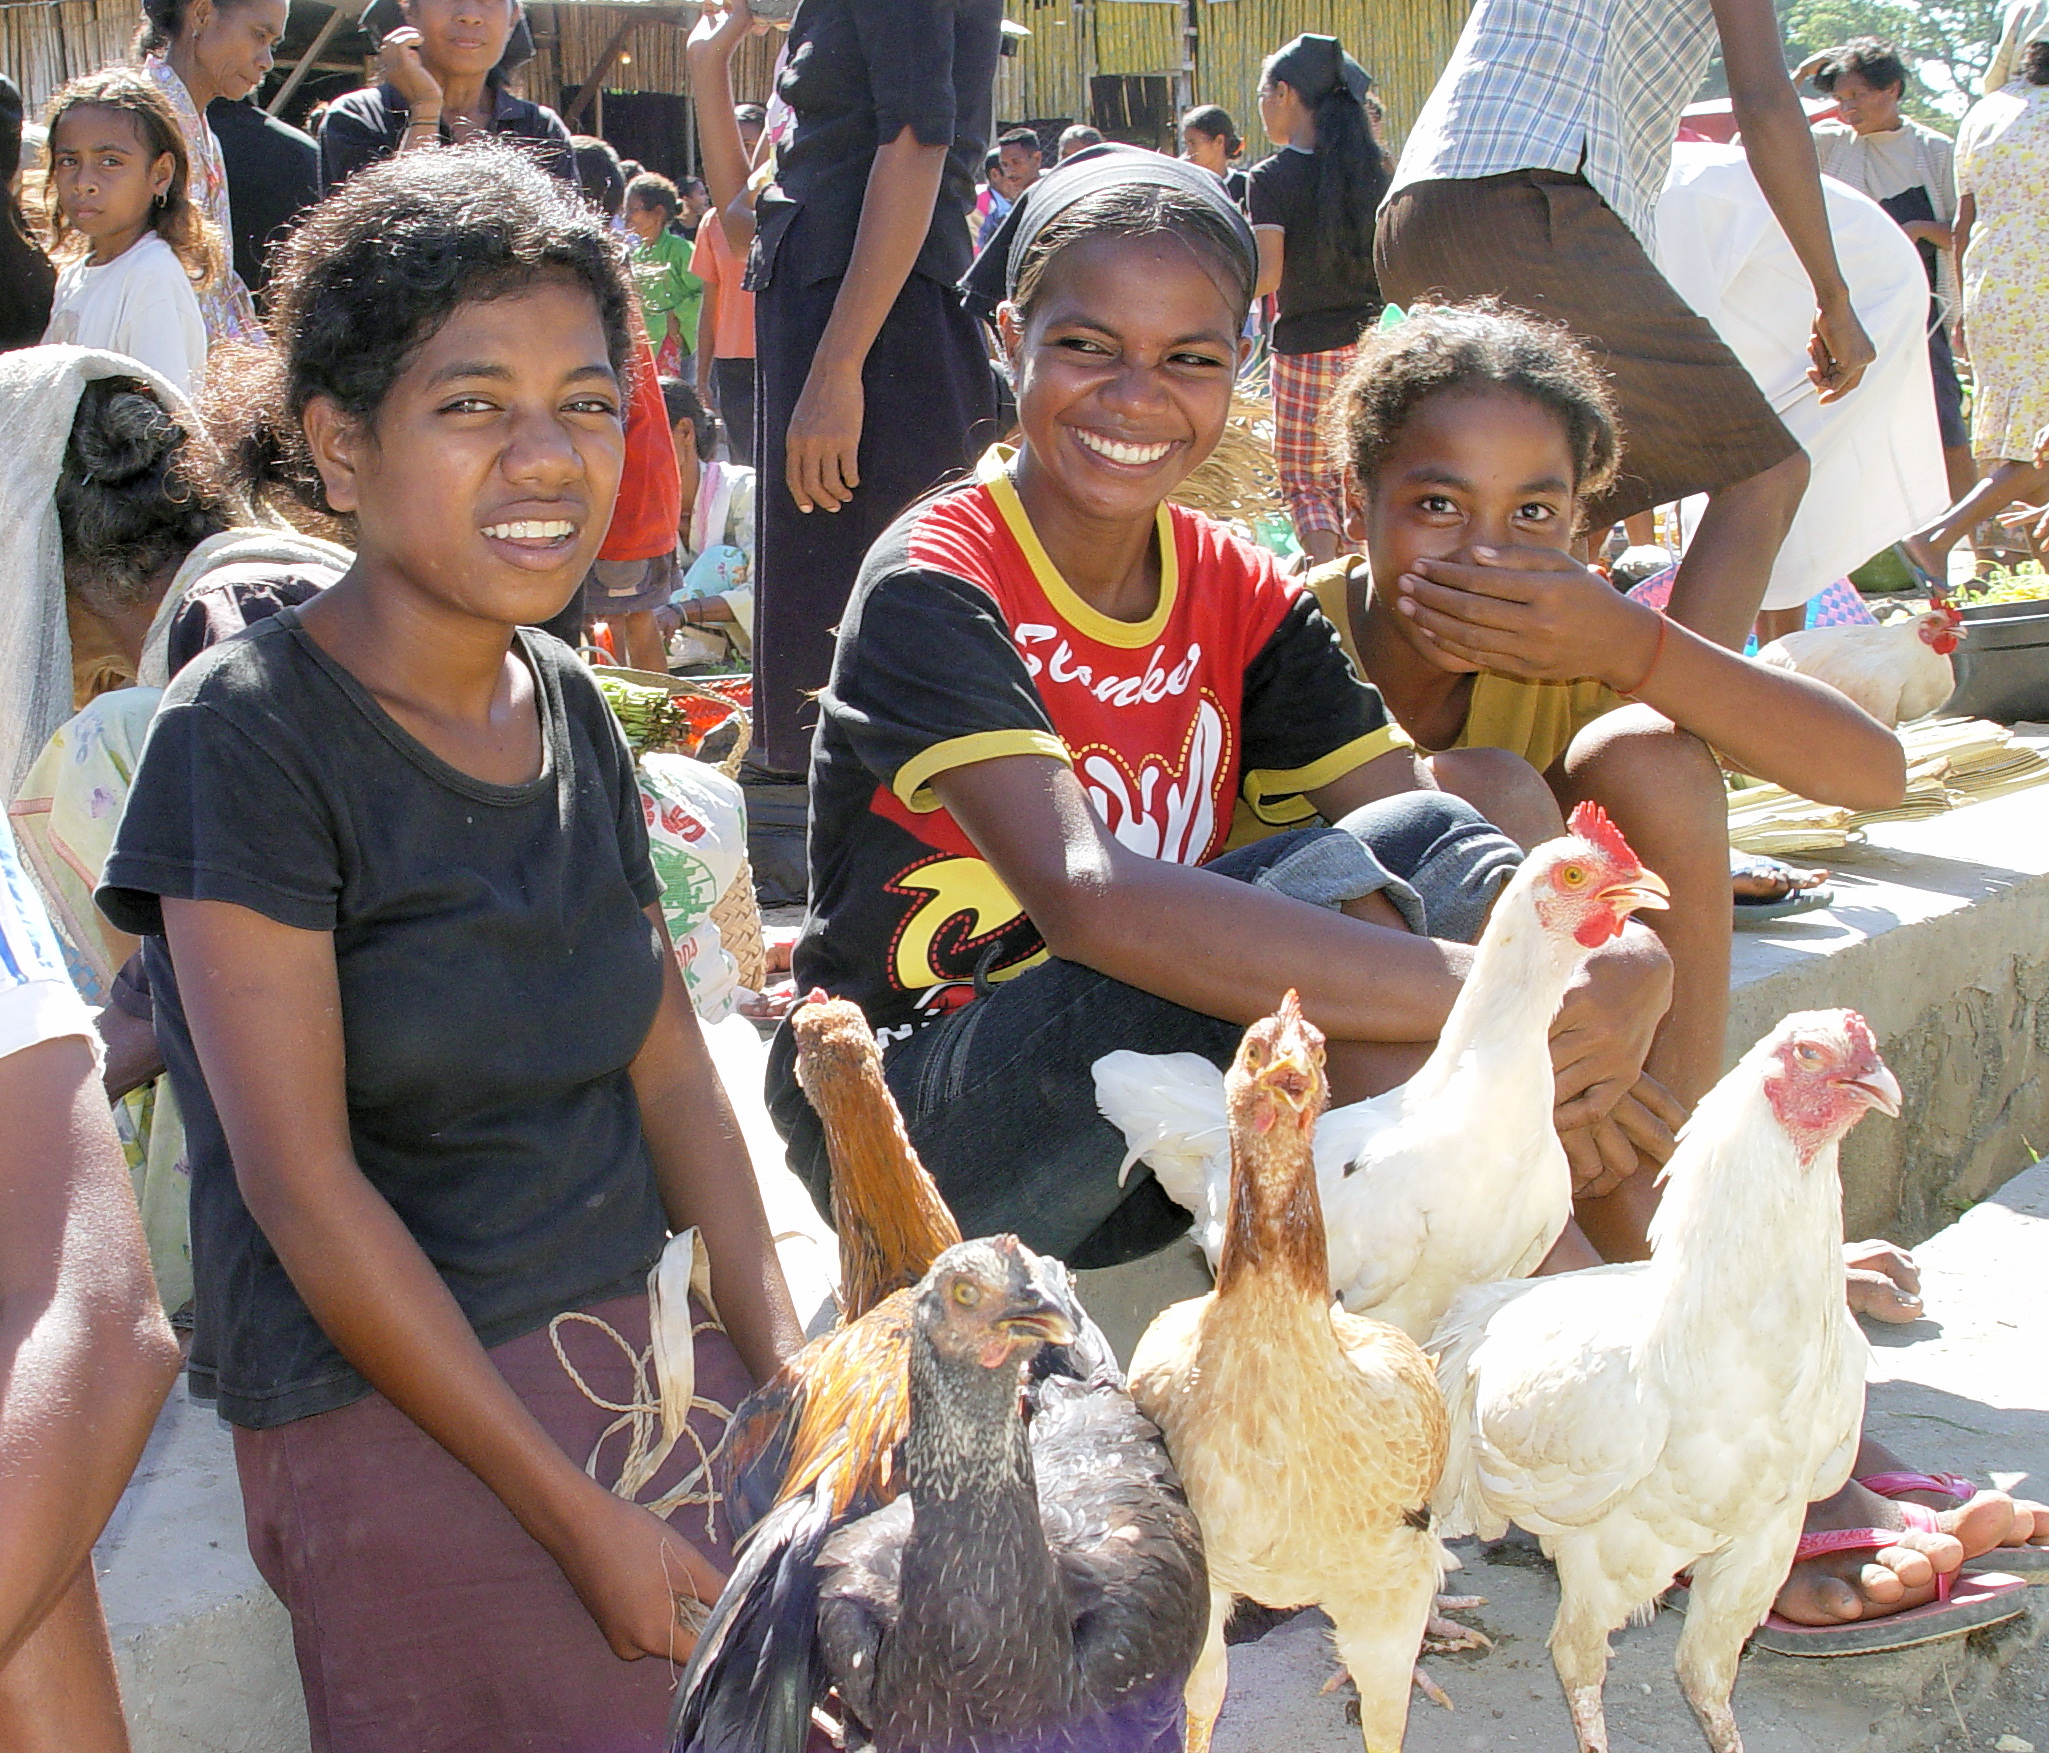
(821, 1440)
(1040, 1584)
(821, 1446)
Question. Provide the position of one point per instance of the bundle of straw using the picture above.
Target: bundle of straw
(1238, 480)
(1951, 762)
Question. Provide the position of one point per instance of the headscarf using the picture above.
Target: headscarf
(1315, 66)
(992, 277)
(39, 391)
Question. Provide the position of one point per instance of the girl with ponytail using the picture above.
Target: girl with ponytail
(1312, 208)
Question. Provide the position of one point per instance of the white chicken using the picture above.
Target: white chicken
(1635, 1417)
(1457, 1177)
(1896, 672)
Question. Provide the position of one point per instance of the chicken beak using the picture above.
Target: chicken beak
(1292, 1077)
(1645, 889)
(1037, 1317)
(1880, 1088)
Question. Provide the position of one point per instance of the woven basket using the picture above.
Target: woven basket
(736, 913)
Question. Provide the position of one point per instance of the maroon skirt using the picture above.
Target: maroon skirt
(427, 1620)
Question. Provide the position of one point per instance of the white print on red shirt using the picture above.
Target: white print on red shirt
(1155, 813)
(1155, 683)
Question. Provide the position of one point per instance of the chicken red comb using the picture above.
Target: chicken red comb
(1859, 1032)
(1291, 1007)
(817, 995)
(1590, 822)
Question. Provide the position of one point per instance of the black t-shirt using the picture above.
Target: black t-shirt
(858, 73)
(962, 643)
(28, 284)
(1321, 306)
(361, 127)
(273, 177)
(497, 978)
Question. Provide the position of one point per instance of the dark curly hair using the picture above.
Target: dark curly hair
(1442, 349)
(1140, 210)
(1877, 63)
(139, 489)
(373, 272)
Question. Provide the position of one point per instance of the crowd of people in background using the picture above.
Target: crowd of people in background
(331, 450)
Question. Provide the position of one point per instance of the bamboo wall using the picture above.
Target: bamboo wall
(43, 45)
(569, 39)
(1402, 43)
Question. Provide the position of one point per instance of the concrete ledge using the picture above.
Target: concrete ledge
(203, 1647)
(1940, 936)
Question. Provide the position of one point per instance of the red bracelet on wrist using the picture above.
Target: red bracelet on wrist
(1650, 669)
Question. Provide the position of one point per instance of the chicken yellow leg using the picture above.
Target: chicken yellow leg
(1204, 1693)
(1579, 1646)
(1379, 1633)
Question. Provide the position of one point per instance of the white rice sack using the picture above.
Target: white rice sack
(697, 836)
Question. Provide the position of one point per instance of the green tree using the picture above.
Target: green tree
(1947, 44)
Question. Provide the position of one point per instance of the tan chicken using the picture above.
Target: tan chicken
(1896, 672)
(1309, 1440)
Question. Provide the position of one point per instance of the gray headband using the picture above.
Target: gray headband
(993, 276)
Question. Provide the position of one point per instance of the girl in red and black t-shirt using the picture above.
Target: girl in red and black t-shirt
(1057, 702)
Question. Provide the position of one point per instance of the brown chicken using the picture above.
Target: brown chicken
(1309, 1440)
(834, 1415)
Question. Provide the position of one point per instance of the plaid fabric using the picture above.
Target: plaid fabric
(1311, 481)
(1837, 605)
(1592, 87)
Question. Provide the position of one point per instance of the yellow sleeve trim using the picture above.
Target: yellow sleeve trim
(1277, 797)
(914, 778)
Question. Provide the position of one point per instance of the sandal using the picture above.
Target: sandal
(1955, 1485)
(1937, 588)
(1792, 898)
(1962, 1602)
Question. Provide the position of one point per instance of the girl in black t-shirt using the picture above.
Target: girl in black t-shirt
(440, 1077)
(1312, 206)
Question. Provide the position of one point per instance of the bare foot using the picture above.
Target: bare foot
(2030, 1519)
(1837, 1587)
(1883, 1281)
(1769, 879)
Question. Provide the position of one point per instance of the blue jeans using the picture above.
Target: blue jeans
(1000, 1099)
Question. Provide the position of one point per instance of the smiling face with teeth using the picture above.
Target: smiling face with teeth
(1124, 368)
(484, 484)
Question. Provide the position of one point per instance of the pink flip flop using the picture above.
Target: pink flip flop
(1962, 1602)
(1954, 1485)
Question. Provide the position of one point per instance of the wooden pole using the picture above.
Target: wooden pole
(589, 89)
(321, 39)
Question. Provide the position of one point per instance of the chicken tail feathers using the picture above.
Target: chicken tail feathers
(1170, 1108)
(757, 1670)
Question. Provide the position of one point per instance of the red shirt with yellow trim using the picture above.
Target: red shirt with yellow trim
(962, 643)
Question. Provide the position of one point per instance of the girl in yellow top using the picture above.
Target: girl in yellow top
(1471, 435)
